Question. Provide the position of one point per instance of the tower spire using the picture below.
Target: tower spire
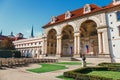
(1, 32)
(11, 34)
(32, 35)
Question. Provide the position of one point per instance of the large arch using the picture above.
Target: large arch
(51, 42)
(96, 20)
(88, 38)
(67, 41)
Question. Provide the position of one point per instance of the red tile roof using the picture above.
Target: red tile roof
(78, 13)
(17, 38)
(111, 6)
(2, 37)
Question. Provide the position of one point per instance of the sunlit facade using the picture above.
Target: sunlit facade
(91, 30)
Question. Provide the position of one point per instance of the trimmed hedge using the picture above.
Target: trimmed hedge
(80, 74)
(89, 69)
(111, 66)
(10, 53)
(91, 77)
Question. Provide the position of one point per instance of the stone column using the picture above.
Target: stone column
(60, 48)
(100, 42)
(59, 45)
(57, 48)
(105, 42)
(44, 46)
(77, 43)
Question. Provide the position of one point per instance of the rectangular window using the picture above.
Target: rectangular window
(119, 30)
(118, 16)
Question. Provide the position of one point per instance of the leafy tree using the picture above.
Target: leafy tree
(7, 44)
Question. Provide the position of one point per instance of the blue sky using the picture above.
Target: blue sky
(19, 15)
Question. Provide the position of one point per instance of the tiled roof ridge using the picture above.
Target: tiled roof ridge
(61, 18)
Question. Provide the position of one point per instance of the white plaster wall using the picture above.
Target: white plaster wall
(114, 38)
(23, 44)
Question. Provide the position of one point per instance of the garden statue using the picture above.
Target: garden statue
(83, 60)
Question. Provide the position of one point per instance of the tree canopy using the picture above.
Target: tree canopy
(7, 44)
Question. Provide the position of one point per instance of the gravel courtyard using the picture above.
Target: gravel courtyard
(20, 73)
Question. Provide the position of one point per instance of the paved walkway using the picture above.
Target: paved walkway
(20, 73)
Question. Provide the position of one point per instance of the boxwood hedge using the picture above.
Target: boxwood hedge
(80, 74)
(111, 66)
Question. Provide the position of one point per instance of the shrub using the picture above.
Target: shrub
(10, 53)
(114, 68)
(89, 69)
(90, 77)
(111, 66)
(80, 74)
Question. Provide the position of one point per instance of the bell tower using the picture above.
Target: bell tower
(32, 34)
(1, 32)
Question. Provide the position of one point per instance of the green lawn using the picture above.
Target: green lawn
(47, 68)
(64, 78)
(107, 74)
(70, 63)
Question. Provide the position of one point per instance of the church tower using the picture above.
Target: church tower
(32, 34)
(1, 32)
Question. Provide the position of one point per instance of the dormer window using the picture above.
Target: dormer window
(87, 8)
(116, 2)
(67, 15)
(53, 20)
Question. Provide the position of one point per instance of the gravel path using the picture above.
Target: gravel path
(20, 73)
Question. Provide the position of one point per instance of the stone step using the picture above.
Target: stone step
(65, 59)
(96, 60)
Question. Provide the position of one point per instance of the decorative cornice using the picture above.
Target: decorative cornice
(102, 27)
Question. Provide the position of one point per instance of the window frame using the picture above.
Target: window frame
(118, 15)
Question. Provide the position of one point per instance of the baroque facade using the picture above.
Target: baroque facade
(91, 30)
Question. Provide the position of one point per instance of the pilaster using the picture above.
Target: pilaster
(100, 43)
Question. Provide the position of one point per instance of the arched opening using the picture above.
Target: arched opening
(51, 43)
(88, 38)
(67, 41)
